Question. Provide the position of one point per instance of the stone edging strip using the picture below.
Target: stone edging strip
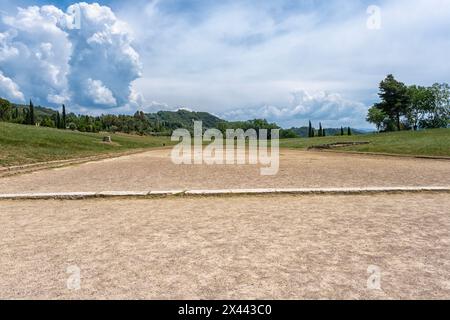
(224, 192)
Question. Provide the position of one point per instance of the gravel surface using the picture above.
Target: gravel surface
(153, 170)
(249, 247)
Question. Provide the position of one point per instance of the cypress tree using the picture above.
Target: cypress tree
(349, 131)
(31, 118)
(58, 120)
(323, 133)
(63, 124)
(320, 129)
(310, 133)
(342, 131)
(25, 116)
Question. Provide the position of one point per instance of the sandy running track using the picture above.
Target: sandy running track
(289, 247)
(153, 170)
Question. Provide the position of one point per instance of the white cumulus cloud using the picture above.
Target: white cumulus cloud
(9, 89)
(34, 52)
(332, 109)
(99, 94)
(102, 50)
(52, 62)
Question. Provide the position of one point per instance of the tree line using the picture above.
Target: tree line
(161, 123)
(322, 132)
(412, 107)
(61, 119)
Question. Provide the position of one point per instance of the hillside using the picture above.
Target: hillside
(184, 119)
(171, 119)
(162, 121)
(39, 111)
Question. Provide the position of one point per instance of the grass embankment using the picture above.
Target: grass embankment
(20, 144)
(422, 143)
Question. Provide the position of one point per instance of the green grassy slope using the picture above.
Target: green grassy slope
(428, 142)
(20, 144)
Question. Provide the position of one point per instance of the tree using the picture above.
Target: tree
(421, 101)
(342, 131)
(31, 116)
(324, 133)
(5, 110)
(310, 130)
(288, 134)
(349, 131)
(377, 117)
(439, 110)
(26, 115)
(64, 117)
(320, 130)
(72, 126)
(47, 122)
(394, 99)
(58, 120)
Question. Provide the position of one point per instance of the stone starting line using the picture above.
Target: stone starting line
(224, 192)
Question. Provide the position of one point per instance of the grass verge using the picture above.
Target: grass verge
(20, 144)
(434, 142)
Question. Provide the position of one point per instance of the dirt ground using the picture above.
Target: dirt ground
(288, 247)
(153, 170)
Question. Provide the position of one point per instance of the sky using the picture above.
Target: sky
(286, 61)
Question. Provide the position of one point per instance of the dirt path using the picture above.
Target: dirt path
(247, 247)
(153, 170)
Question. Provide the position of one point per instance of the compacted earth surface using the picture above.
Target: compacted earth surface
(154, 170)
(252, 247)
(378, 246)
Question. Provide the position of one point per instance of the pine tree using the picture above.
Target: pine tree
(395, 99)
(63, 124)
(310, 133)
(342, 131)
(31, 117)
(323, 133)
(320, 129)
(349, 131)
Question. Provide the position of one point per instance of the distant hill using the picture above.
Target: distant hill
(39, 111)
(184, 119)
(303, 131)
(169, 119)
